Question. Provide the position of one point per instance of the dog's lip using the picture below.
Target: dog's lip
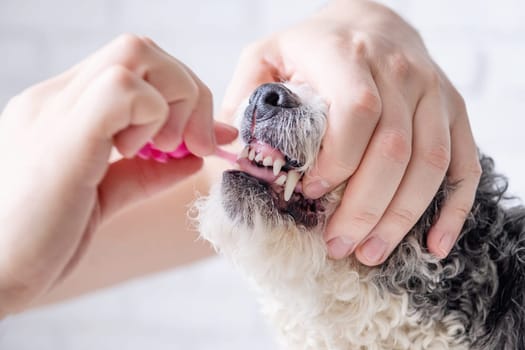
(269, 164)
(263, 173)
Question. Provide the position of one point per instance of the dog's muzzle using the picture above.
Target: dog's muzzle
(274, 128)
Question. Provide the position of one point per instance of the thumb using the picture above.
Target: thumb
(128, 181)
(225, 133)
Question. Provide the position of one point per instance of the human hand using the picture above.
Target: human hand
(57, 185)
(396, 125)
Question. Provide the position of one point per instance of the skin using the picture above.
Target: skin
(123, 95)
(392, 143)
(395, 145)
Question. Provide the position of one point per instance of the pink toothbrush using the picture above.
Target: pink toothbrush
(149, 151)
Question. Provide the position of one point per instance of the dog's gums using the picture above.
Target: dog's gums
(268, 164)
(264, 169)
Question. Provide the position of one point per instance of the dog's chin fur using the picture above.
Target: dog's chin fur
(474, 299)
(316, 302)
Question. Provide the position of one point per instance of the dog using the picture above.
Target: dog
(258, 217)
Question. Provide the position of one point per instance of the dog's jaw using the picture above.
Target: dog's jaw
(281, 144)
(248, 218)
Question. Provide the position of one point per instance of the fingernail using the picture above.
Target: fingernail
(374, 249)
(339, 247)
(316, 189)
(445, 245)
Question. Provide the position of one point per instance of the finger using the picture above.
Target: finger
(117, 108)
(167, 75)
(225, 133)
(354, 111)
(131, 180)
(372, 187)
(132, 52)
(464, 174)
(424, 175)
(253, 69)
(171, 133)
(199, 134)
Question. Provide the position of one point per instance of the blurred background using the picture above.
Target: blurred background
(480, 44)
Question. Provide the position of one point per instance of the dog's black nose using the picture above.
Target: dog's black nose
(272, 97)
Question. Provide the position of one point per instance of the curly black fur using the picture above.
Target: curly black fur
(481, 284)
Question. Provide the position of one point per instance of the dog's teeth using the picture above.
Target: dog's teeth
(277, 165)
(251, 155)
(280, 180)
(268, 161)
(291, 182)
(259, 157)
(244, 153)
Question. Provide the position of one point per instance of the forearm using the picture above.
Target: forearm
(153, 236)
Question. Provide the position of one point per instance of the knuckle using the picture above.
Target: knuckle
(29, 94)
(339, 39)
(471, 171)
(161, 111)
(462, 211)
(365, 218)
(475, 170)
(192, 92)
(119, 77)
(366, 104)
(459, 102)
(359, 43)
(345, 168)
(130, 45)
(438, 157)
(434, 78)
(395, 145)
(206, 93)
(399, 66)
(26, 100)
(149, 40)
(404, 217)
(17, 101)
(251, 51)
(352, 44)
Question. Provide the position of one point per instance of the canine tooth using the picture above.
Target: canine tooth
(293, 179)
(277, 165)
(268, 161)
(244, 152)
(280, 180)
(251, 155)
(258, 157)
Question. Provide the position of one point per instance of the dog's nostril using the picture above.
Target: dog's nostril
(272, 99)
(274, 95)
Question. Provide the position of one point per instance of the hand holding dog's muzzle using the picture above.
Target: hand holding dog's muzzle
(396, 125)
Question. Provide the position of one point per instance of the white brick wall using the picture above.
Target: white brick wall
(479, 43)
